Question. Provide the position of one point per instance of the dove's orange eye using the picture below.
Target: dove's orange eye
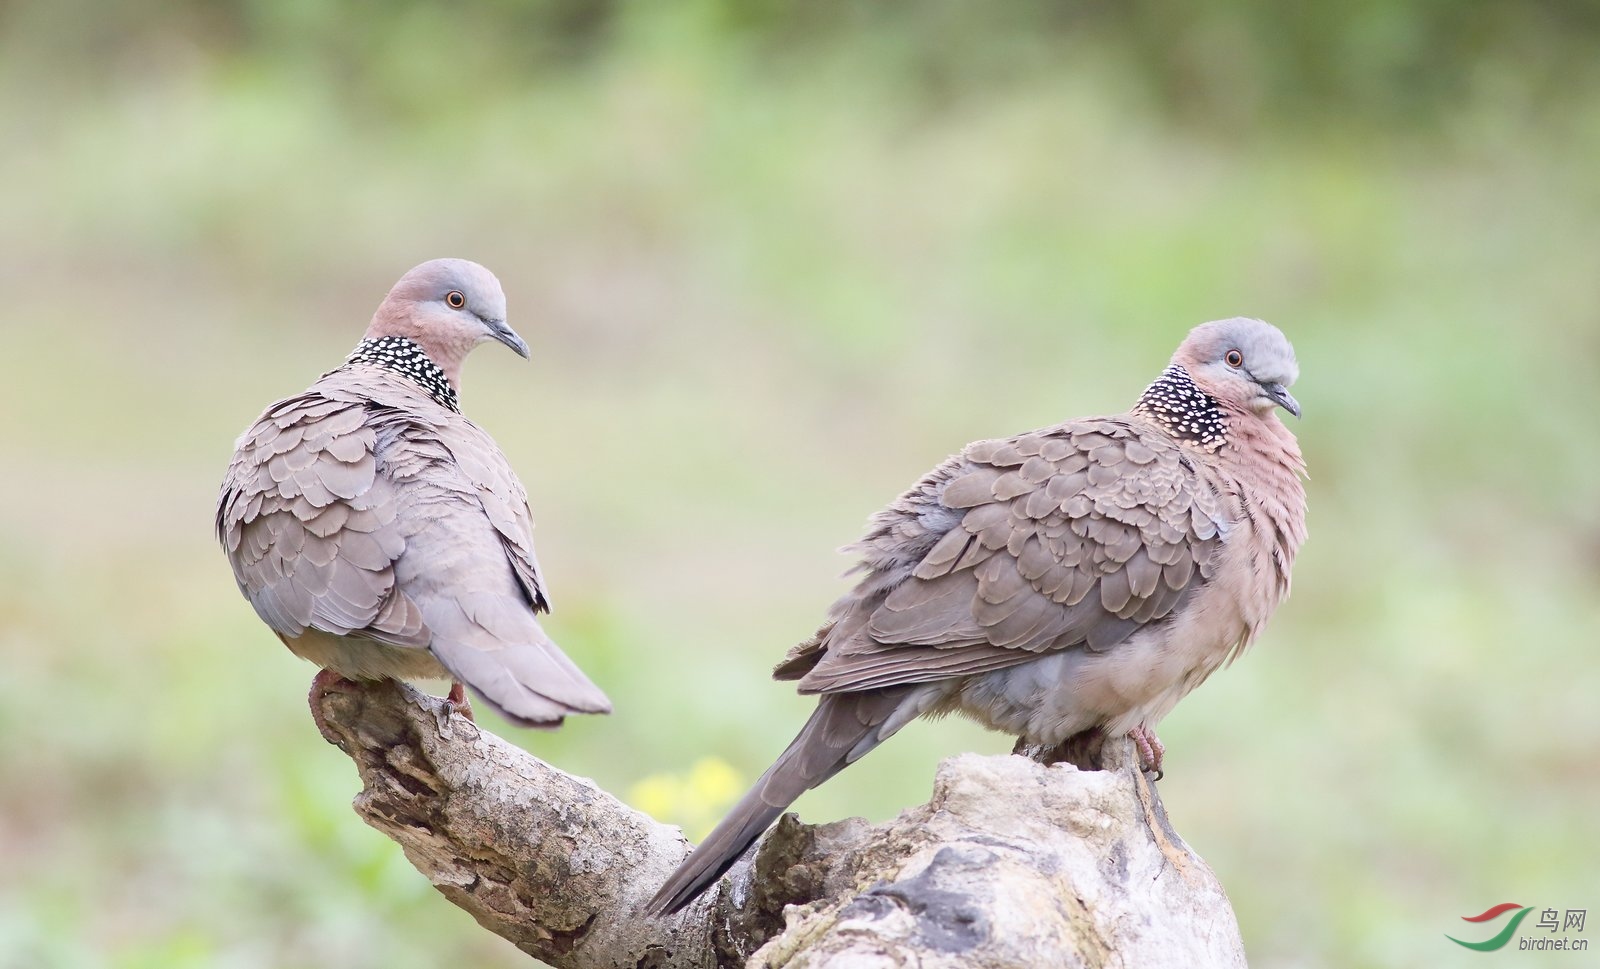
(1234, 357)
(455, 299)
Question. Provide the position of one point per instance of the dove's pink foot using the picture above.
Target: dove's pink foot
(1151, 749)
(457, 698)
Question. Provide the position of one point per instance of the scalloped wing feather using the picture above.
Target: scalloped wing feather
(1069, 537)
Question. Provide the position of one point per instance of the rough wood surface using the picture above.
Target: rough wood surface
(1010, 864)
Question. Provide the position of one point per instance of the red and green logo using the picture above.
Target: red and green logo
(1504, 935)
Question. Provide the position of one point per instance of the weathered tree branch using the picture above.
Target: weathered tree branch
(1010, 864)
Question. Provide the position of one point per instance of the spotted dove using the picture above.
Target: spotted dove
(1076, 578)
(381, 534)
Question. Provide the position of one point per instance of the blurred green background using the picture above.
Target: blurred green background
(775, 261)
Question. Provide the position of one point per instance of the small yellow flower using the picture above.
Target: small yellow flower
(694, 799)
(657, 795)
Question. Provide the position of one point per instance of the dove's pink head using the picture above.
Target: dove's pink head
(446, 307)
(1245, 365)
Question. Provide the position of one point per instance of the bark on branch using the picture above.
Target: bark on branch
(1011, 863)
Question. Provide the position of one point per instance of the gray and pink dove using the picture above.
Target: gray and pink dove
(1080, 577)
(381, 534)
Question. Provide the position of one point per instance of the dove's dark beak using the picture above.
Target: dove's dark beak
(508, 336)
(1279, 395)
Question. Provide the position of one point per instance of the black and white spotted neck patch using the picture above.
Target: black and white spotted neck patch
(407, 359)
(1187, 412)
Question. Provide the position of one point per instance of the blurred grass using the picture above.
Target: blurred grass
(765, 294)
